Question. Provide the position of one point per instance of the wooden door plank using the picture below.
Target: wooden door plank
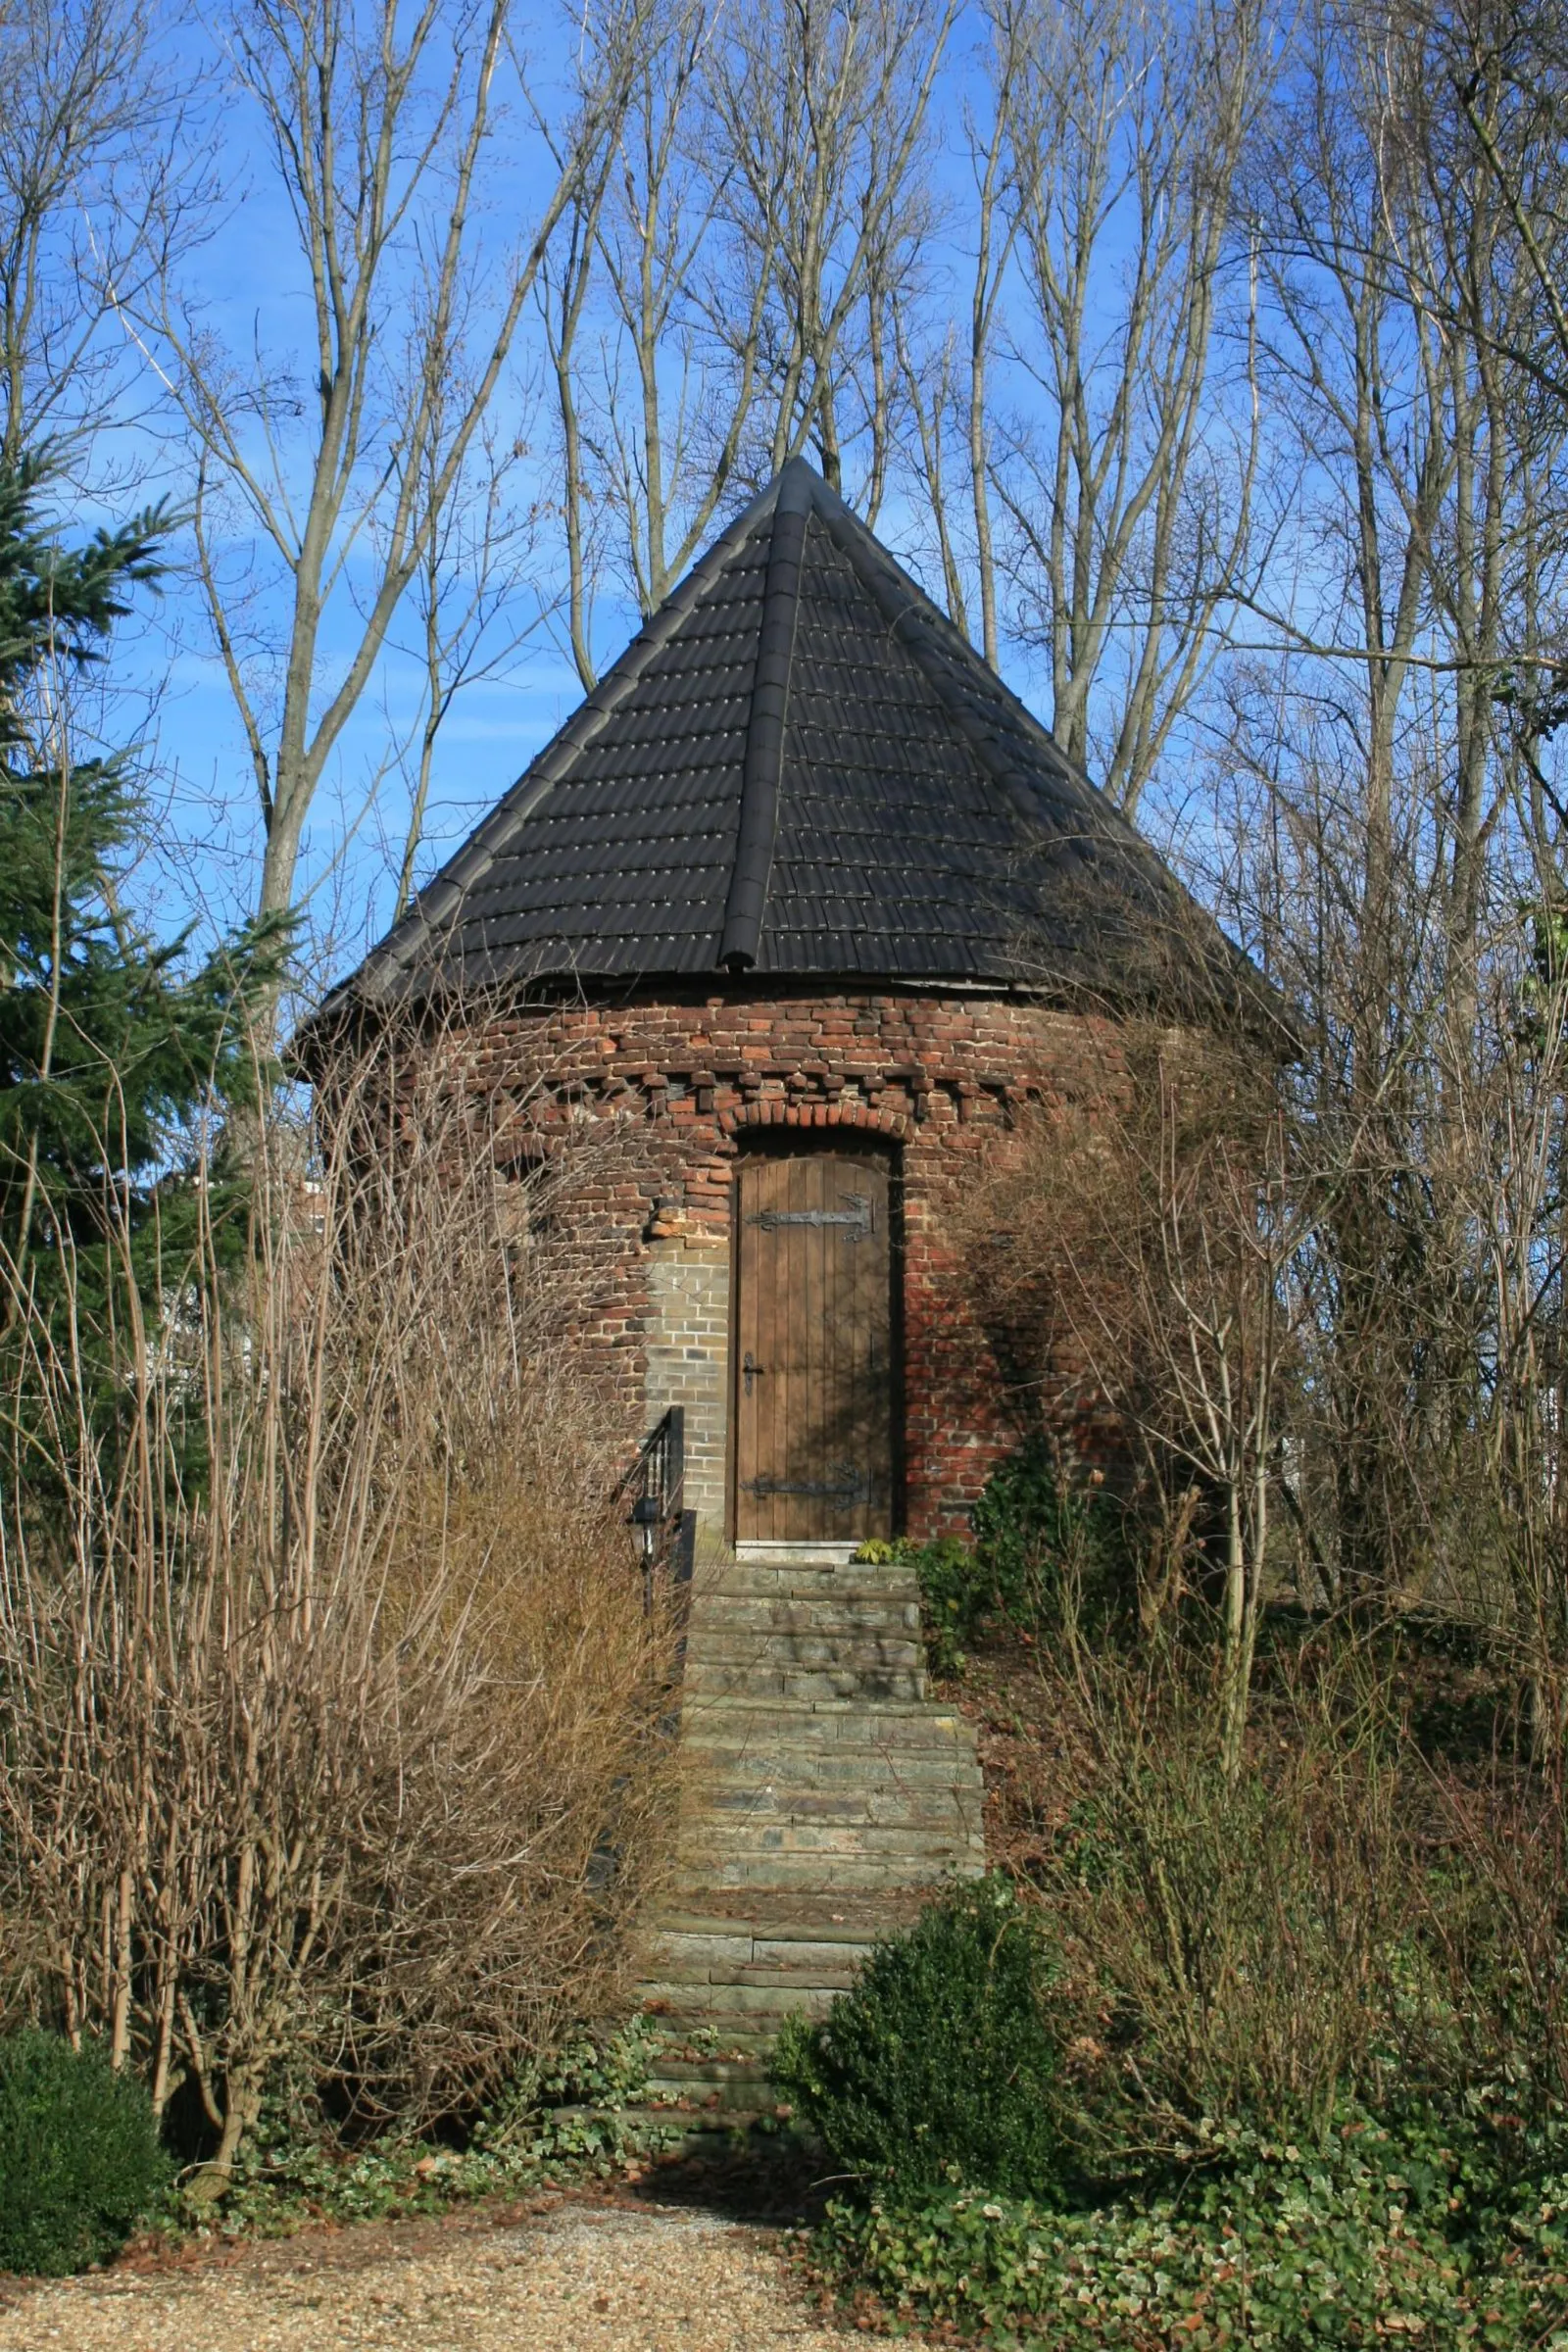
(811, 1443)
(854, 1258)
(805, 1299)
(748, 1291)
(773, 1381)
(859, 1256)
(830, 1447)
(783, 1252)
(815, 1313)
(840, 1448)
(878, 1359)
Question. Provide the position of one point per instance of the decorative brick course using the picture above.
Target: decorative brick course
(690, 1083)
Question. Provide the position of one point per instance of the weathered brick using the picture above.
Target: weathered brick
(687, 1086)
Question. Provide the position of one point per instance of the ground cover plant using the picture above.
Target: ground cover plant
(82, 2166)
(1351, 2243)
(579, 2113)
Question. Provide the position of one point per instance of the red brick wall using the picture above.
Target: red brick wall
(684, 1086)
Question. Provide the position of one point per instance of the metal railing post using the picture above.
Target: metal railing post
(657, 1484)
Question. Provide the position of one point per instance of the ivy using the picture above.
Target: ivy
(1369, 2239)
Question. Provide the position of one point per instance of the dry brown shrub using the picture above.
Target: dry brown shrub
(1149, 1235)
(1351, 1924)
(1233, 1936)
(330, 1710)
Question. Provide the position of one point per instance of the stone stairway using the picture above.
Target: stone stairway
(823, 1795)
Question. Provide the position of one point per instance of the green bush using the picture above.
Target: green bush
(940, 2065)
(1040, 1544)
(1365, 2239)
(80, 2163)
(1044, 1541)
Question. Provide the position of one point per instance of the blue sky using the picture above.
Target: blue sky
(204, 843)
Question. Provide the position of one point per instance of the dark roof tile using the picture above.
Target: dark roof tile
(907, 818)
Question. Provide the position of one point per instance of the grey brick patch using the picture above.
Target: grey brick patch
(687, 1355)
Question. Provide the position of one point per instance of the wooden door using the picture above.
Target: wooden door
(814, 1368)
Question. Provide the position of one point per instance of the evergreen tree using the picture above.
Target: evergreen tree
(112, 1043)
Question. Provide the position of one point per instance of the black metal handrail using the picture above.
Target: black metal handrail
(655, 1488)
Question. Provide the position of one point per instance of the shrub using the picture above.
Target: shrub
(371, 1705)
(952, 1601)
(939, 2065)
(580, 2112)
(1045, 1543)
(80, 2163)
(1246, 1947)
(1042, 1547)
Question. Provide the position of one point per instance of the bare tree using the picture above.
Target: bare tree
(1392, 836)
(382, 130)
(731, 292)
(821, 110)
(98, 187)
(565, 282)
(1507, 70)
(644, 444)
(951, 392)
(1514, 1131)
(1132, 498)
(995, 231)
(477, 603)
(1391, 305)
(932, 406)
(660, 467)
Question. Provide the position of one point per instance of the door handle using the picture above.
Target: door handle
(750, 1370)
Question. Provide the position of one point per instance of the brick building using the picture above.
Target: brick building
(805, 902)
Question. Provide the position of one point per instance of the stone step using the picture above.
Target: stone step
(817, 1873)
(843, 1615)
(715, 1730)
(856, 1871)
(733, 2087)
(710, 1645)
(794, 1949)
(782, 1920)
(715, 1834)
(676, 1956)
(743, 2069)
(823, 1608)
(755, 2008)
(749, 1579)
(933, 1807)
(825, 1797)
(713, 1769)
(840, 1717)
(803, 1683)
(816, 1771)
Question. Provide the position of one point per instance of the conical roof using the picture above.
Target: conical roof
(801, 768)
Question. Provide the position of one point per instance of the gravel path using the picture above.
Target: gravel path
(576, 2279)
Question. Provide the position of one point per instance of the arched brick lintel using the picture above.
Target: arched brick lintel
(816, 1118)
